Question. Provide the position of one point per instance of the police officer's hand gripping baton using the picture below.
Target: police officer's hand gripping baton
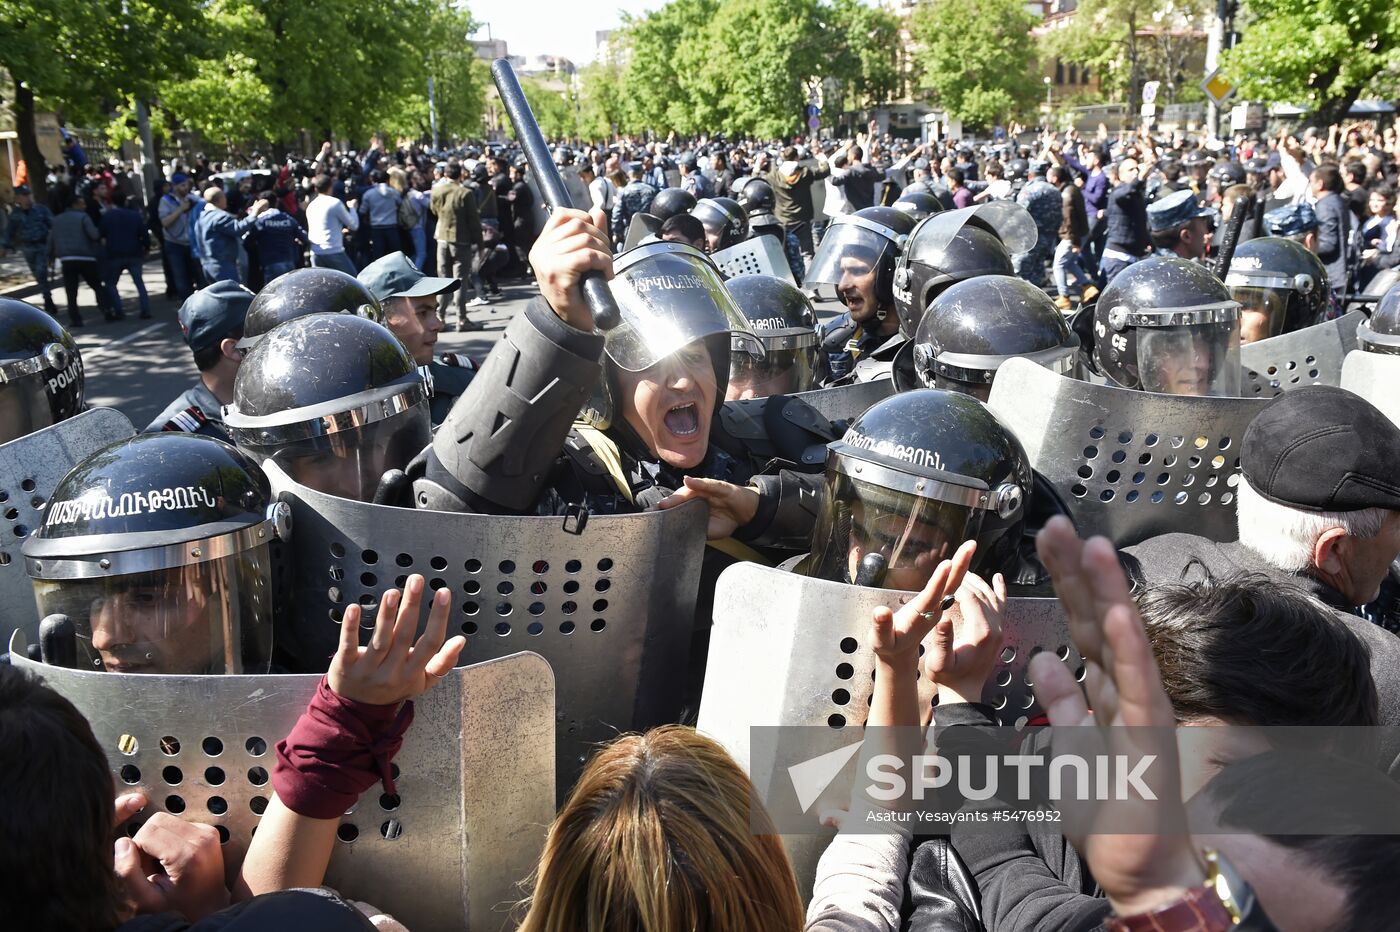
(595, 289)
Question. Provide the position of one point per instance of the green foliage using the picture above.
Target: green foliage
(976, 58)
(1335, 49)
(1128, 42)
(553, 106)
(603, 106)
(744, 66)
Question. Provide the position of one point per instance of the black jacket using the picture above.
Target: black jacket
(1126, 218)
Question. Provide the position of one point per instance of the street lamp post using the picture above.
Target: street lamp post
(1049, 89)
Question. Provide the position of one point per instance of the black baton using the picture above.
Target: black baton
(595, 289)
(1244, 211)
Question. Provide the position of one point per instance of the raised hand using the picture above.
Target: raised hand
(967, 643)
(393, 668)
(1131, 715)
(571, 244)
(896, 636)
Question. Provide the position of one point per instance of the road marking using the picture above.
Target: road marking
(98, 351)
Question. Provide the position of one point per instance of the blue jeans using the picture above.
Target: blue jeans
(183, 269)
(272, 270)
(1068, 269)
(420, 246)
(113, 268)
(1111, 267)
(794, 256)
(220, 271)
(334, 260)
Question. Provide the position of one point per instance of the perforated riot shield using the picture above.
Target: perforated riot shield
(1129, 465)
(758, 255)
(475, 777)
(1373, 376)
(30, 469)
(790, 650)
(609, 607)
(1311, 356)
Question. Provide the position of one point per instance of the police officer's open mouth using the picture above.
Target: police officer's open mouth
(683, 420)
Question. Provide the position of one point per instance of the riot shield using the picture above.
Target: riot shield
(1311, 356)
(1373, 376)
(475, 777)
(30, 469)
(582, 594)
(1129, 465)
(846, 402)
(758, 255)
(790, 650)
(642, 226)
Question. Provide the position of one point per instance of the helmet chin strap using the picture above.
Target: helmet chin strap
(881, 314)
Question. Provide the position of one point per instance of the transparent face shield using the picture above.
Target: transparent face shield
(1263, 311)
(205, 618)
(782, 370)
(349, 463)
(852, 249)
(909, 534)
(1191, 359)
(24, 407)
(670, 295)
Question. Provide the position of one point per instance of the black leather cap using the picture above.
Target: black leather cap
(1323, 449)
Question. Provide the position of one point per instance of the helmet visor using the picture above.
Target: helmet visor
(350, 463)
(849, 254)
(24, 407)
(1193, 359)
(670, 296)
(1011, 222)
(780, 372)
(1262, 311)
(909, 534)
(204, 618)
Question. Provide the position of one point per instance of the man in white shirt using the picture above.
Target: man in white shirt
(327, 219)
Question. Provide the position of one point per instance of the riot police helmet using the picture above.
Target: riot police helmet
(785, 323)
(917, 204)
(334, 399)
(914, 477)
(306, 291)
(1168, 325)
(858, 255)
(1227, 173)
(954, 246)
(725, 222)
(157, 548)
(1281, 287)
(675, 315)
(1381, 334)
(671, 201)
(41, 371)
(973, 327)
(756, 196)
(1017, 169)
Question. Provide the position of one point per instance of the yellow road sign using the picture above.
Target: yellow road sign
(1217, 87)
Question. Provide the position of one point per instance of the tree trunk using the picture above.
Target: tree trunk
(1333, 109)
(29, 141)
(1131, 117)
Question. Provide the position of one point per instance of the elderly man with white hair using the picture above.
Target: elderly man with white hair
(1319, 507)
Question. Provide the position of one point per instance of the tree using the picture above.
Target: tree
(552, 106)
(977, 58)
(865, 69)
(1130, 41)
(1319, 54)
(759, 62)
(603, 108)
(663, 49)
(83, 58)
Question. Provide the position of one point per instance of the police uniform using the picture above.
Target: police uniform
(1173, 212)
(1043, 201)
(844, 343)
(194, 411)
(633, 199)
(449, 374)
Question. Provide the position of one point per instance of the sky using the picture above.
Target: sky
(553, 27)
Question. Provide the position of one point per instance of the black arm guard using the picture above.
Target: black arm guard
(787, 511)
(494, 451)
(776, 427)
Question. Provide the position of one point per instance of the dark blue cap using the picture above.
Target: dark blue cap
(1291, 220)
(1174, 211)
(211, 314)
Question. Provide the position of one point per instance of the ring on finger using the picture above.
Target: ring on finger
(943, 606)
